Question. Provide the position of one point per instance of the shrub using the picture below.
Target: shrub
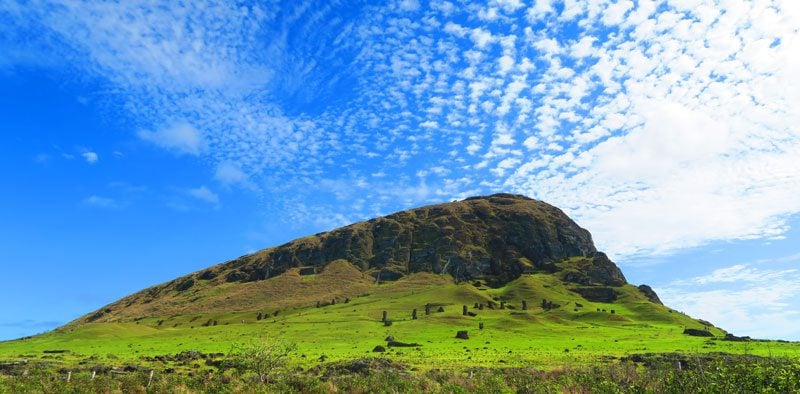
(261, 356)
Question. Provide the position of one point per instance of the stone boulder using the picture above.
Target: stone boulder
(650, 294)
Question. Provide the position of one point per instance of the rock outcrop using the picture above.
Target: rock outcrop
(497, 238)
(650, 294)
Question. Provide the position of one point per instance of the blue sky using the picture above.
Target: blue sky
(142, 141)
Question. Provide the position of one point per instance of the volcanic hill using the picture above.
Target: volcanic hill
(492, 240)
(493, 279)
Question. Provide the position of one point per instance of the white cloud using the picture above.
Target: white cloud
(229, 173)
(742, 273)
(455, 29)
(102, 202)
(540, 10)
(205, 194)
(180, 138)
(481, 37)
(409, 5)
(509, 6)
(90, 157)
(584, 47)
(505, 63)
(614, 13)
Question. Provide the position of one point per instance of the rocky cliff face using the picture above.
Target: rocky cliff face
(496, 238)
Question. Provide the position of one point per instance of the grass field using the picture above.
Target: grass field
(569, 335)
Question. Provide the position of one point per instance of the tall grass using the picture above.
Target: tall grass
(658, 374)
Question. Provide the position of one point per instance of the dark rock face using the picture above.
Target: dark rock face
(597, 294)
(185, 285)
(650, 294)
(497, 238)
(207, 275)
(595, 270)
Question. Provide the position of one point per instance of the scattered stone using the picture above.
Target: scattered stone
(402, 344)
(462, 335)
(731, 337)
(697, 333)
(472, 314)
(441, 309)
(480, 326)
(389, 338)
(524, 305)
(307, 271)
(379, 349)
(464, 310)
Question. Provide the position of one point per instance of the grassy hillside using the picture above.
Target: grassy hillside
(576, 331)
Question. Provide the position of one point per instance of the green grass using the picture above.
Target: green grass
(511, 337)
